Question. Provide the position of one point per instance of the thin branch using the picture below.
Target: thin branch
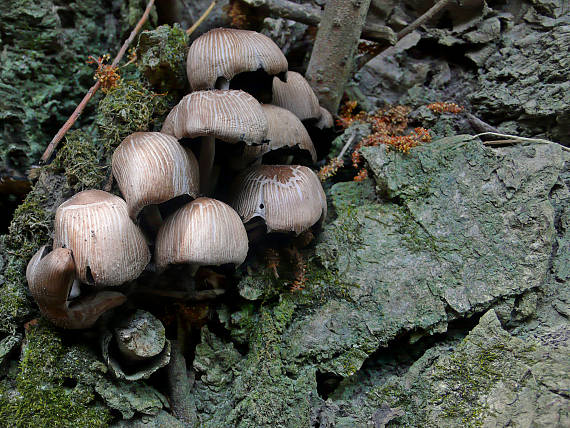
(434, 10)
(517, 139)
(346, 146)
(311, 15)
(201, 19)
(79, 109)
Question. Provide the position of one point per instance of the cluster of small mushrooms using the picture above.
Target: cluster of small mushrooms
(102, 241)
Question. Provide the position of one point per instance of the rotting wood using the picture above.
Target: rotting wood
(312, 16)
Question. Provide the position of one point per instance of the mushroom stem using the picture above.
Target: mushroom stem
(207, 154)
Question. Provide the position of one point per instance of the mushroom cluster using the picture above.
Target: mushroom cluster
(219, 143)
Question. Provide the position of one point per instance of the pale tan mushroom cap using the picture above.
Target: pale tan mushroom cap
(231, 116)
(326, 119)
(289, 198)
(151, 168)
(225, 52)
(285, 130)
(203, 232)
(297, 96)
(96, 226)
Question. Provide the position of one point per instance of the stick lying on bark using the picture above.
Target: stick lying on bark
(79, 109)
(312, 16)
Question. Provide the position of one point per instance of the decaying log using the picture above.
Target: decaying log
(312, 16)
(331, 61)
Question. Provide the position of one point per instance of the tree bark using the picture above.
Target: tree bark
(311, 15)
(333, 53)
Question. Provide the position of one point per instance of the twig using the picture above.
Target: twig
(346, 146)
(434, 10)
(479, 125)
(201, 19)
(79, 109)
(517, 139)
(311, 15)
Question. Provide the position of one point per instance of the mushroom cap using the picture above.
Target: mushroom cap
(297, 96)
(289, 198)
(50, 278)
(151, 168)
(202, 232)
(109, 249)
(225, 52)
(228, 115)
(326, 119)
(285, 130)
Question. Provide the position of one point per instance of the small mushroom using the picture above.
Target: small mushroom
(50, 277)
(137, 347)
(109, 249)
(231, 116)
(285, 131)
(151, 168)
(217, 56)
(297, 96)
(289, 198)
(204, 232)
(326, 119)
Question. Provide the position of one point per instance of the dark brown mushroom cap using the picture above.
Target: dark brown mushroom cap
(202, 232)
(151, 168)
(225, 52)
(109, 249)
(285, 130)
(50, 277)
(297, 96)
(229, 115)
(289, 198)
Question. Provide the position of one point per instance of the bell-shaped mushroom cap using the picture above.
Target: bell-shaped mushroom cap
(50, 277)
(326, 119)
(231, 116)
(202, 232)
(289, 198)
(225, 52)
(285, 130)
(109, 249)
(297, 96)
(151, 168)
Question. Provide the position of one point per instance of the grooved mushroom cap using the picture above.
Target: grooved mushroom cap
(229, 115)
(225, 52)
(326, 119)
(50, 278)
(297, 96)
(202, 232)
(289, 198)
(109, 249)
(285, 130)
(151, 168)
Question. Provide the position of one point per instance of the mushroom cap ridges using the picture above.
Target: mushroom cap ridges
(289, 198)
(151, 168)
(202, 232)
(326, 119)
(297, 96)
(225, 52)
(229, 115)
(109, 249)
(284, 130)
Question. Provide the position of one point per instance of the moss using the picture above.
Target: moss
(79, 161)
(128, 108)
(43, 394)
(161, 55)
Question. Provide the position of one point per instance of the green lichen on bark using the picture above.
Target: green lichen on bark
(38, 394)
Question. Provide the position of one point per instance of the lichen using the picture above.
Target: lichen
(45, 391)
